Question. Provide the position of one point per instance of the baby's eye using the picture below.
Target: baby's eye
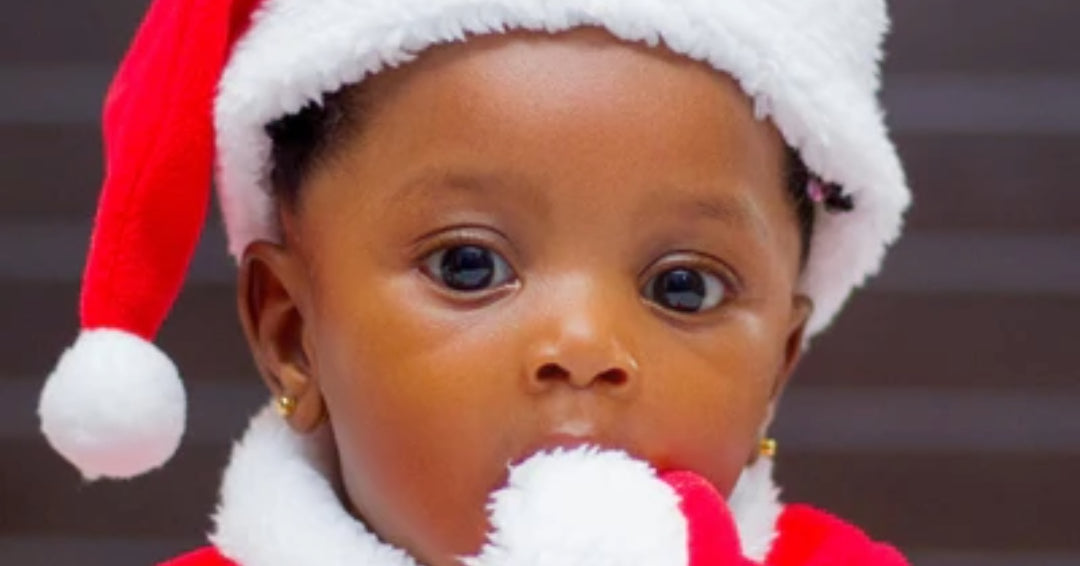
(686, 290)
(468, 269)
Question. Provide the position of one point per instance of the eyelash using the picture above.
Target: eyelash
(708, 278)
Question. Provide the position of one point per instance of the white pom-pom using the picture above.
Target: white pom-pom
(114, 406)
(585, 507)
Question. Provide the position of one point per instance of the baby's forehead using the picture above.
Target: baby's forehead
(546, 71)
(584, 87)
(509, 115)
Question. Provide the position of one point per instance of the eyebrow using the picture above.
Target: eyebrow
(730, 210)
(436, 182)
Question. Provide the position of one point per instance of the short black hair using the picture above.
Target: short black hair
(301, 139)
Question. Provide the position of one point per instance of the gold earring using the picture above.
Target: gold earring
(286, 405)
(768, 447)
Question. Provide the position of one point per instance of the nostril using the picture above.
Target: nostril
(553, 372)
(549, 372)
(613, 376)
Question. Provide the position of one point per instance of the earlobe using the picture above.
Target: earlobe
(269, 298)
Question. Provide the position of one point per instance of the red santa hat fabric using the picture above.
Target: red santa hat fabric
(204, 77)
(114, 406)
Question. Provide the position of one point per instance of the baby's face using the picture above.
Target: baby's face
(532, 242)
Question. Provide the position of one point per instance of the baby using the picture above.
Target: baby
(543, 250)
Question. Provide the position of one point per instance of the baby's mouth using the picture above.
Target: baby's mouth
(559, 443)
(576, 435)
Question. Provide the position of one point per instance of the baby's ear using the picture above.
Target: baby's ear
(795, 342)
(801, 309)
(270, 295)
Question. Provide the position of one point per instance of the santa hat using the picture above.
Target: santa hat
(206, 72)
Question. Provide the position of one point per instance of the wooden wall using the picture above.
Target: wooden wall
(941, 412)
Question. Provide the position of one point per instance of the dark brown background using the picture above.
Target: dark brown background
(941, 412)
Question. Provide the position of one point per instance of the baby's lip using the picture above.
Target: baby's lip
(567, 436)
(557, 443)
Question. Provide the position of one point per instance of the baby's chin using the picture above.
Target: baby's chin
(582, 504)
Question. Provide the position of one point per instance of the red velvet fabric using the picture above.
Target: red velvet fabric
(159, 152)
(713, 538)
(809, 537)
(208, 556)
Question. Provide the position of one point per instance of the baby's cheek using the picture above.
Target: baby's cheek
(708, 402)
(714, 428)
(411, 477)
(419, 440)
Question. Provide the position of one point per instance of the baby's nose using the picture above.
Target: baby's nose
(580, 347)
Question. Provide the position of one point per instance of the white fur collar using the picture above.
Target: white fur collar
(278, 508)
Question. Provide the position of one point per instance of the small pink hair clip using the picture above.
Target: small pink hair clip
(830, 195)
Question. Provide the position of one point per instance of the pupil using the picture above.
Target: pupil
(681, 290)
(468, 268)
